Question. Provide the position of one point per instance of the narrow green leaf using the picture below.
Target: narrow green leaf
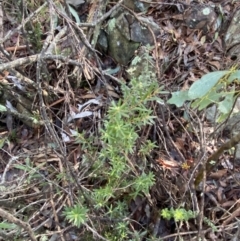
(7, 226)
(3, 108)
(21, 167)
(74, 13)
(2, 142)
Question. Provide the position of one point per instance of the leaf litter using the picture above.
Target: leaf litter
(185, 52)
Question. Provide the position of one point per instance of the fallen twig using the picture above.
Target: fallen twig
(18, 222)
(215, 157)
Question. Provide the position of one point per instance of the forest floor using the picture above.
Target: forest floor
(54, 118)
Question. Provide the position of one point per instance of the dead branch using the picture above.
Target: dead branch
(215, 157)
(18, 222)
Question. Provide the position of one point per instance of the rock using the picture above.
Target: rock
(201, 17)
(102, 43)
(233, 127)
(237, 153)
(136, 5)
(232, 36)
(125, 34)
(120, 48)
(211, 114)
(233, 124)
(123, 23)
(141, 33)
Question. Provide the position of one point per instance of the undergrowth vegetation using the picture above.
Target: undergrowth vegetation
(121, 165)
(94, 149)
(120, 168)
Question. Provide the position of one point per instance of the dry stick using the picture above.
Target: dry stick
(200, 234)
(30, 119)
(63, 151)
(215, 157)
(233, 215)
(48, 124)
(182, 234)
(18, 222)
(51, 233)
(11, 32)
(165, 128)
(105, 16)
(71, 24)
(95, 233)
(30, 59)
(57, 38)
(93, 24)
(113, 78)
(201, 139)
(202, 153)
(1, 21)
(156, 52)
(8, 166)
(94, 12)
(18, 62)
(33, 58)
(61, 203)
(52, 202)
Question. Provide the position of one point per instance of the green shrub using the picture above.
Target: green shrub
(76, 214)
(117, 174)
(179, 214)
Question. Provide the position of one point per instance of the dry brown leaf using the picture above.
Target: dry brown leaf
(88, 74)
(57, 159)
(227, 204)
(216, 64)
(235, 214)
(168, 164)
(113, 94)
(3, 75)
(218, 174)
(220, 192)
(180, 143)
(223, 183)
(40, 155)
(88, 96)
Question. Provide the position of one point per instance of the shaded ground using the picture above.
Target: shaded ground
(43, 167)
